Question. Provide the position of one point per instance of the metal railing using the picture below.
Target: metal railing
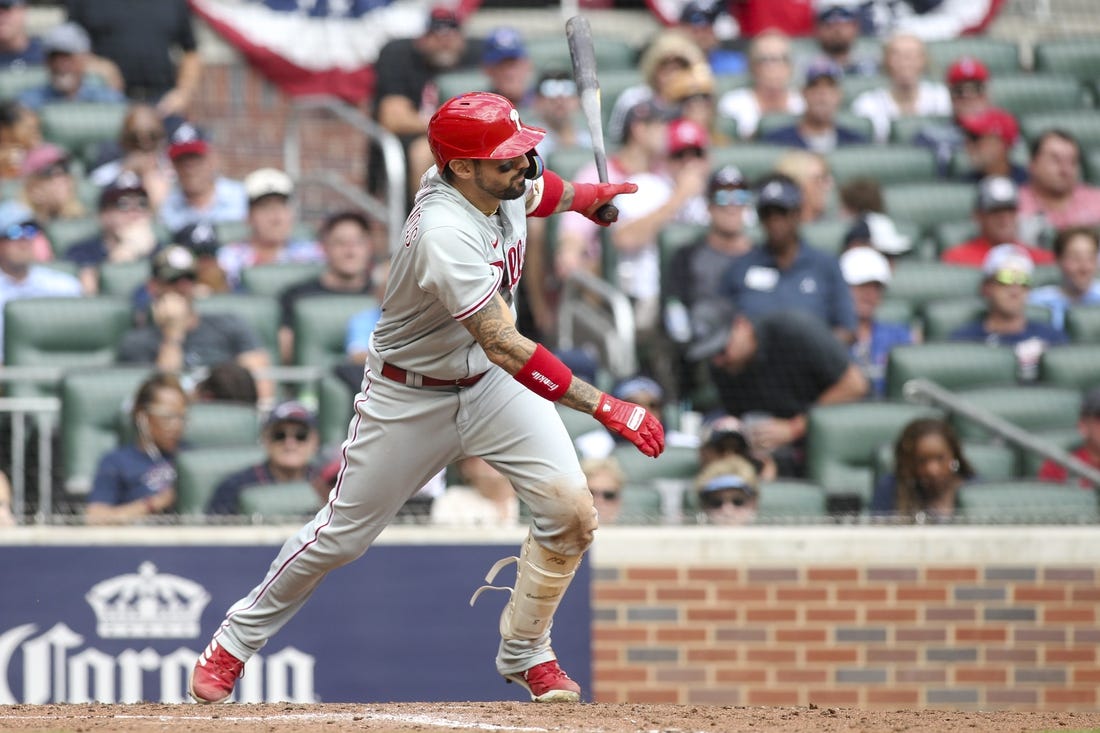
(592, 311)
(925, 391)
(392, 210)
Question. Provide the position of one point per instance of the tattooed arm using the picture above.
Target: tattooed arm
(495, 330)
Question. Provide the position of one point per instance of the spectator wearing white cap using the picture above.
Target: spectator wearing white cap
(877, 230)
(271, 223)
(868, 275)
(1008, 271)
(67, 54)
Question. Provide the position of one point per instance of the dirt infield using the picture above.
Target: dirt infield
(520, 717)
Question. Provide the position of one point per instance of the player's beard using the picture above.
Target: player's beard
(509, 192)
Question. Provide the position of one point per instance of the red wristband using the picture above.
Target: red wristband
(545, 375)
(584, 195)
(552, 189)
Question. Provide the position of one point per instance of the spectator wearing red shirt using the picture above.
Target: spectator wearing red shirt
(1088, 424)
(995, 211)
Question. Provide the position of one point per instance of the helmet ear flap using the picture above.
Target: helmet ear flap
(535, 165)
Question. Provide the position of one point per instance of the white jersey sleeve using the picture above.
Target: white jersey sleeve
(451, 266)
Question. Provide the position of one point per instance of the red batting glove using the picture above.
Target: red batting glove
(632, 422)
(589, 197)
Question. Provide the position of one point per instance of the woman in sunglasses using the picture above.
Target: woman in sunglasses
(49, 186)
(727, 492)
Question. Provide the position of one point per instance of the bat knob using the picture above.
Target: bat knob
(608, 213)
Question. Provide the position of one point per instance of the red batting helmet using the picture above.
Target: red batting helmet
(479, 125)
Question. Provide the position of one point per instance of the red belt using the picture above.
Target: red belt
(397, 374)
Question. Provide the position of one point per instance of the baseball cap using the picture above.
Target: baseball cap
(995, 193)
(200, 239)
(41, 158)
(647, 111)
(267, 182)
(503, 44)
(1007, 257)
(744, 481)
(992, 121)
(187, 140)
(780, 193)
(695, 13)
(66, 38)
(126, 183)
(967, 69)
(1090, 405)
(723, 428)
(822, 68)
(441, 18)
(862, 265)
(830, 12)
(634, 387)
(14, 218)
(880, 232)
(291, 411)
(172, 263)
(686, 134)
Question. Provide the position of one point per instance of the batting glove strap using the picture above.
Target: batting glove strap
(632, 422)
(589, 197)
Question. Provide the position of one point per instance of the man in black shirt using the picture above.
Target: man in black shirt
(139, 37)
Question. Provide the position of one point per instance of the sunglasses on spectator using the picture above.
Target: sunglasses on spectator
(168, 415)
(688, 153)
(717, 501)
(774, 58)
(280, 435)
(59, 168)
(144, 138)
(607, 494)
(21, 231)
(557, 88)
(731, 197)
(1012, 277)
(130, 203)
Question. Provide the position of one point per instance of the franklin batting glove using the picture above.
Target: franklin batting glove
(632, 422)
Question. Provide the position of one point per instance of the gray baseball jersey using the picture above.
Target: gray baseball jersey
(452, 261)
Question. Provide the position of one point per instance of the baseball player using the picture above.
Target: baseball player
(449, 376)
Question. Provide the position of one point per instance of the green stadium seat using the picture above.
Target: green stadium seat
(229, 232)
(93, 405)
(826, 234)
(566, 162)
(728, 82)
(675, 236)
(576, 423)
(80, 126)
(885, 163)
(212, 424)
(842, 440)
(950, 233)
(893, 310)
(64, 233)
(927, 204)
(790, 500)
(335, 406)
(1083, 324)
(1036, 408)
(261, 312)
(904, 129)
(990, 461)
(1084, 125)
(69, 268)
(123, 278)
(677, 462)
(200, 470)
(453, 83)
(855, 84)
(612, 84)
(551, 53)
(951, 365)
(922, 282)
(1078, 57)
(62, 332)
(1027, 502)
(290, 499)
(15, 81)
(320, 327)
(999, 55)
(1072, 365)
(1022, 94)
(640, 505)
(272, 280)
(941, 318)
(753, 159)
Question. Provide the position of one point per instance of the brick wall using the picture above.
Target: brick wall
(843, 623)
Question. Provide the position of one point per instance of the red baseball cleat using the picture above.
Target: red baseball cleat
(547, 682)
(214, 675)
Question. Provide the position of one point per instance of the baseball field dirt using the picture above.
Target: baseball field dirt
(503, 717)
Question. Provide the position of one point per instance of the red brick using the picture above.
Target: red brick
(1084, 594)
(682, 675)
(768, 696)
(1071, 696)
(1012, 655)
(714, 575)
(682, 593)
(1069, 615)
(847, 615)
(606, 655)
(653, 696)
(833, 575)
(892, 615)
(799, 676)
(1024, 635)
(740, 676)
(987, 675)
(873, 594)
(742, 594)
(603, 595)
(920, 594)
(1085, 675)
(631, 634)
(921, 675)
(951, 575)
(981, 633)
(950, 613)
(804, 595)
(681, 634)
(832, 655)
(768, 655)
(709, 613)
(1012, 696)
(829, 697)
(773, 575)
(1039, 593)
(898, 696)
(801, 636)
(607, 695)
(895, 655)
(920, 634)
(1069, 655)
(713, 654)
(622, 674)
(652, 574)
(771, 615)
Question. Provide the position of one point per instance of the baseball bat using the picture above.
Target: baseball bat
(583, 55)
